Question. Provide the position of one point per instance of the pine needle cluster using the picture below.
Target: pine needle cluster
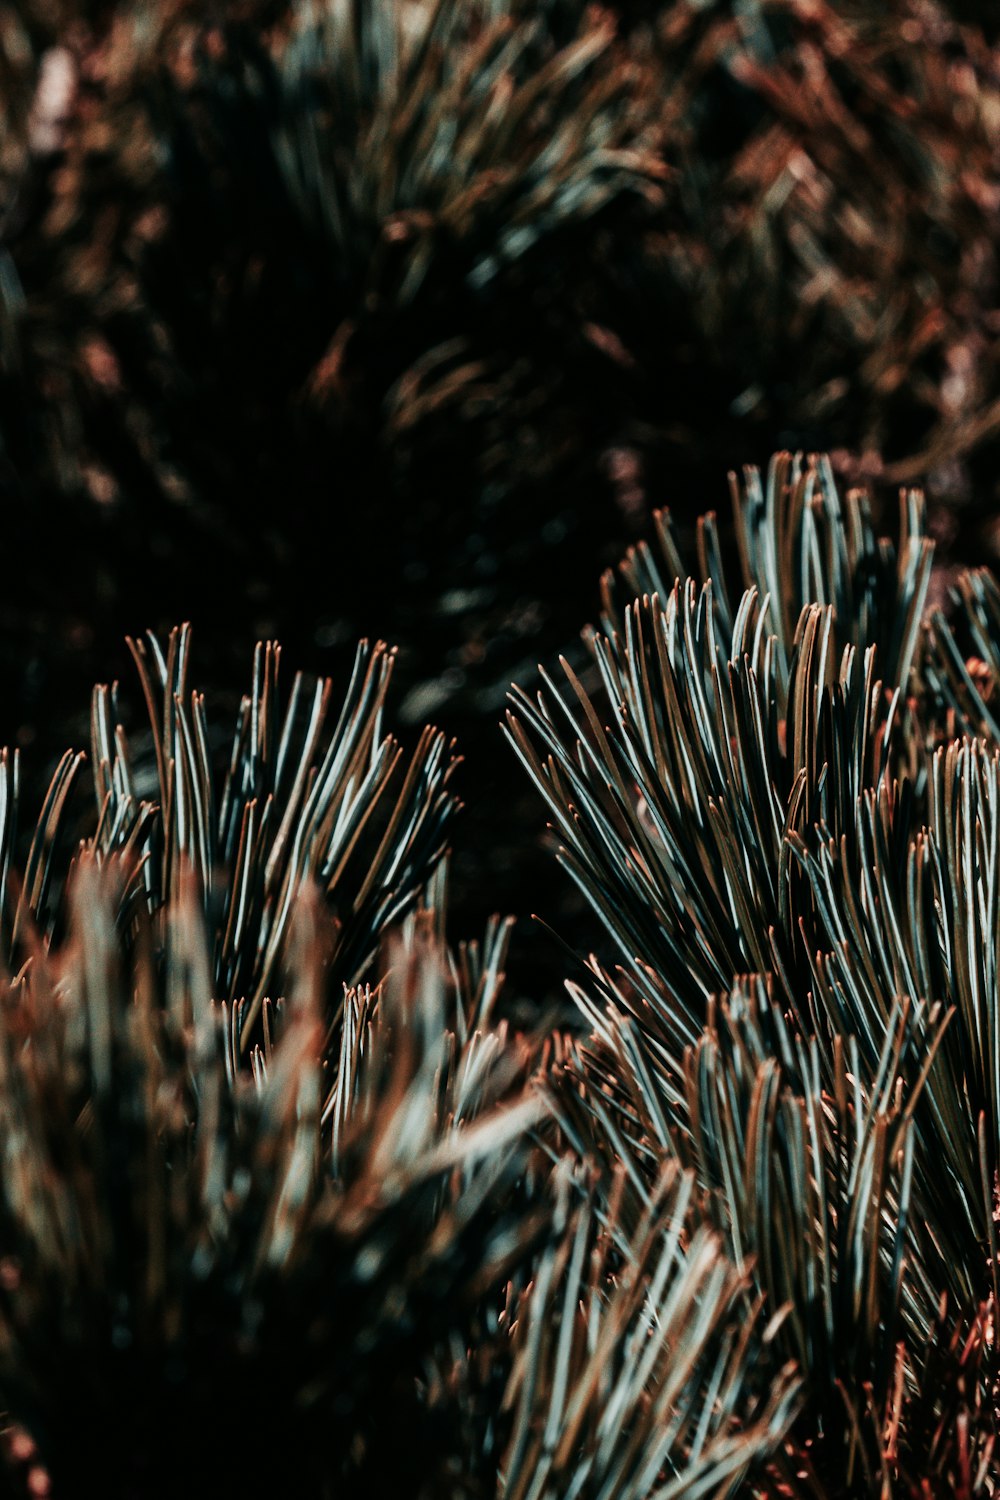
(781, 807)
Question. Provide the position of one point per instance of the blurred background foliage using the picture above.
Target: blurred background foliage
(396, 317)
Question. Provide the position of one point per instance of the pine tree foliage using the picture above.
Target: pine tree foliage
(284, 281)
(310, 793)
(631, 1376)
(739, 1238)
(330, 1248)
(411, 125)
(838, 176)
(800, 541)
(477, 279)
(390, 184)
(966, 684)
(226, 1276)
(795, 869)
(286, 1205)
